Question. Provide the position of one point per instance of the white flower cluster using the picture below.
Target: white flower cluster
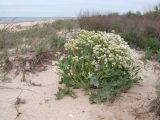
(102, 49)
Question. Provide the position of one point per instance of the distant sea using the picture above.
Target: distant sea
(29, 19)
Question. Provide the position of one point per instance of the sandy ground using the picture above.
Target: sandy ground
(40, 102)
(23, 25)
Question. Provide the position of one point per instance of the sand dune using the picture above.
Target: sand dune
(23, 25)
(41, 104)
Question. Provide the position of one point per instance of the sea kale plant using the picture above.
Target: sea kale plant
(100, 63)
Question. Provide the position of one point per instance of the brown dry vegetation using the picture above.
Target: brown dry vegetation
(139, 29)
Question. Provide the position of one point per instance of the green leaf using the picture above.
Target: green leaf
(65, 91)
(94, 81)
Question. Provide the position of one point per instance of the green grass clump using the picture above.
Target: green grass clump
(41, 47)
(53, 43)
(56, 41)
(148, 54)
(100, 63)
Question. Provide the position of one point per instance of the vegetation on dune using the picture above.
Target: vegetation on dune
(141, 31)
(137, 29)
(36, 32)
(100, 63)
(42, 41)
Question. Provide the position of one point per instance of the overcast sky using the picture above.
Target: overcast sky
(69, 8)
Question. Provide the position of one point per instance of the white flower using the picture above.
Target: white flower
(75, 58)
(101, 48)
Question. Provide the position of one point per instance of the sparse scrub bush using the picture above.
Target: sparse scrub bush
(53, 43)
(139, 29)
(11, 39)
(56, 41)
(150, 31)
(41, 47)
(153, 44)
(100, 63)
(45, 49)
(65, 24)
(135, 39)
(40, 42)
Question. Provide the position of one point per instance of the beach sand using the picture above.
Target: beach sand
(23, 25)
(40, 102)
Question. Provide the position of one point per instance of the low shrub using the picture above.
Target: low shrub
(56, 41)
(100, 63)
(65, 24)
(135, 39)
(52, 42)
(139, 30)
(141, 41)
(153, 44)
(41, 47)
(151, 32)
(12, 39)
